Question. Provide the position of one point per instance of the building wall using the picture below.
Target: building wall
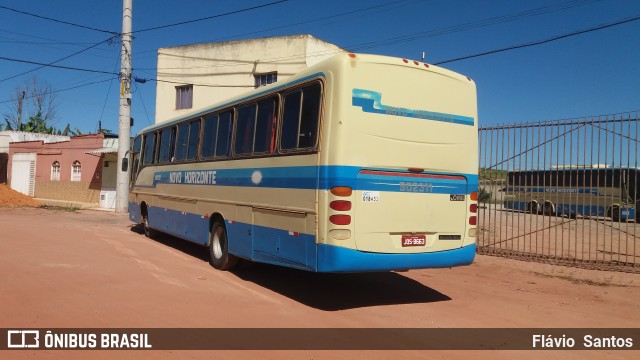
(229, 68)
(66, 152)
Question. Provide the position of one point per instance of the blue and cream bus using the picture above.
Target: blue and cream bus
(359, 163)
(593, 191)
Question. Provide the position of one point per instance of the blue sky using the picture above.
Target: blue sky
(585, 75)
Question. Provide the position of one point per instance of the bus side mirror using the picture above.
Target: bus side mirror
(125, 164)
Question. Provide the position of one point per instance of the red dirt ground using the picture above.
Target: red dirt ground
(93, 269)
(12, 198)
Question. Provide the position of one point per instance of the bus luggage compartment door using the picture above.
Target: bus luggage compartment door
(400, 212)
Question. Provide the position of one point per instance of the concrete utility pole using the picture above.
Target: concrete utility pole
(22, 94)
(124, 118)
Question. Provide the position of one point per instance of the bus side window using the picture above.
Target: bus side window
(135, 159)
(149, 148)
(194, 135)
(291, 121)
(265, 122)
(209, 136)
(310, 116)
(182, 142)
(300, 119)
(223, 138)
(167, 144)
(245, 130)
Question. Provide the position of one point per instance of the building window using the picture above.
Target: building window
(76, 171)
(264, 79)
(55, 171)
(184, 97)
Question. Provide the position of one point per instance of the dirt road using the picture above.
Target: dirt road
(93, 269)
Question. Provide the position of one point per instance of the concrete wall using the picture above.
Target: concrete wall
(229, 68)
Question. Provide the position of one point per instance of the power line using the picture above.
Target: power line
(61, 59)
(204, 85)
(540, 42)
(209, 17)
(61, 90)
(309, 21)
(58, 21)
(56, 66)
(429, 33)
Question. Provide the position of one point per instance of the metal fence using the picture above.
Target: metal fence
(563, 191)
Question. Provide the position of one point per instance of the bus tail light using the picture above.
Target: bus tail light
(474, 196)
(473, 220)
(341, 191)
(473, 208)
(340, 205)
(340, 219)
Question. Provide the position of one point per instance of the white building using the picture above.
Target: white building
(195, 76)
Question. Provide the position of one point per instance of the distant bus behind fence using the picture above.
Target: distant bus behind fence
(359, 163)
(591, 192)
(565, 191)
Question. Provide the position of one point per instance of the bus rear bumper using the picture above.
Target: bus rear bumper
(339, 259)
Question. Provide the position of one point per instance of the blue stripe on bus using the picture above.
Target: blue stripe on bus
(371, 102)
(315, 177)
(296, 250)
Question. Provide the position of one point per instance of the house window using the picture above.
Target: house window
(264, 79)
(55, 171)
(76, 171)
(184, 97)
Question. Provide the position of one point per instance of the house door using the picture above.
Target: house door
(23, 173)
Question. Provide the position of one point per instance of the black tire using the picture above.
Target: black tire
(548, 209)
(219, 248)
(614, 213)
(148, 231)
(532, 208)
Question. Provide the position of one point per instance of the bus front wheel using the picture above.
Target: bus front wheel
(219, 248)
(148, 231)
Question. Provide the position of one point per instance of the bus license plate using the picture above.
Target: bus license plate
(414, 240)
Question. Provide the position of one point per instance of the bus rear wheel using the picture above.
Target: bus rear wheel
(219, 248)
(549, 209)
(614, 213)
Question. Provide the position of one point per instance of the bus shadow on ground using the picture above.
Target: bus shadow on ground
(189, 248)
(334, 292)
(326, 292)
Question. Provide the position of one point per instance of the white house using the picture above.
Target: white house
(195, 76)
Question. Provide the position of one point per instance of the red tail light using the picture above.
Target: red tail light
(340, 205)
(340, 219)
(473, 208)
(473, 220)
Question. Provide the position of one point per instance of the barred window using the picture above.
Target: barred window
(264, 79)
(76, 171)
(55, 171)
